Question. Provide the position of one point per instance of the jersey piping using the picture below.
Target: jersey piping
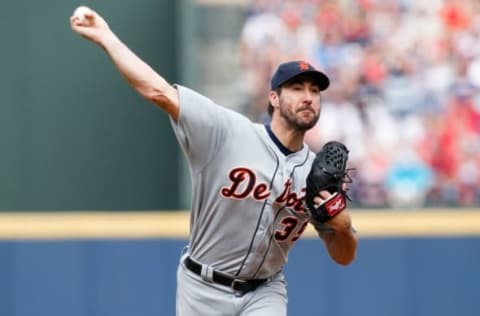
(276, 215)
(269, 244)
(259, 219)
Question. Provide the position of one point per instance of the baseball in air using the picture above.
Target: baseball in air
(80, 13)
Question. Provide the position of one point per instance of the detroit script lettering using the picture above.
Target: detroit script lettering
(244, 185)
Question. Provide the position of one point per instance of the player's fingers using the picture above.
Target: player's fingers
(317, 201)
(75, 21)
(89, 15)
(322, 197)
(324, 194)
(77, 26)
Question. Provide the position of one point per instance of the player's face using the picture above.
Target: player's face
(299, 104)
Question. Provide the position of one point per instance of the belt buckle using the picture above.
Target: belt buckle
(238, 292)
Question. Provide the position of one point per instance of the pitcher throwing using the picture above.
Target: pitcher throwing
(250, 197)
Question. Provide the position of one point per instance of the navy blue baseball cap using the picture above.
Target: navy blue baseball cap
(292, 69)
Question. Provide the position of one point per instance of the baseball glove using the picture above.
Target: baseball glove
(328, 173)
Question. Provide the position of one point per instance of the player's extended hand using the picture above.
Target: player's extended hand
(92, 27)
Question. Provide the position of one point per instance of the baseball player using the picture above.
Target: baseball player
(248, 184)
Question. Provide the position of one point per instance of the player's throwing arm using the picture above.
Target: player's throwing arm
(91, 26)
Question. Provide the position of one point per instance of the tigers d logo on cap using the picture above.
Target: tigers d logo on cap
(303, 65)
(291, 69)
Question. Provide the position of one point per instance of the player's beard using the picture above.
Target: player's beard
(295, 119)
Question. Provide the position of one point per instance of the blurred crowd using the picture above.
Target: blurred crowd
(404, 94)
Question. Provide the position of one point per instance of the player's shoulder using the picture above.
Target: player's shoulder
(191, 100)
(188, 96)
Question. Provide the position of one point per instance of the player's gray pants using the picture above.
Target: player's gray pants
(196, 297)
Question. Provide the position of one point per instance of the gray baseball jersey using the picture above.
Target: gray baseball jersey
(247, 189)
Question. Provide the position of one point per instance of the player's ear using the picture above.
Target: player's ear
(274, 98)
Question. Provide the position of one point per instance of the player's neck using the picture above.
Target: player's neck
(290, 137)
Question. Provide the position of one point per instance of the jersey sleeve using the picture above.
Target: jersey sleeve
(201, 128)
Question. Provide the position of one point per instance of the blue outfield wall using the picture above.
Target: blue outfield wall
(391, 276)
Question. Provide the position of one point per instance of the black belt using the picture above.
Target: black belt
(239, 286)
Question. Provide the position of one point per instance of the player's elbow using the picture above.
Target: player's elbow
(167, 100)
(345, 260)
(155, 95)
(345, 252)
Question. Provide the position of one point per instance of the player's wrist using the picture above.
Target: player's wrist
(108, 41)
(342, 222)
